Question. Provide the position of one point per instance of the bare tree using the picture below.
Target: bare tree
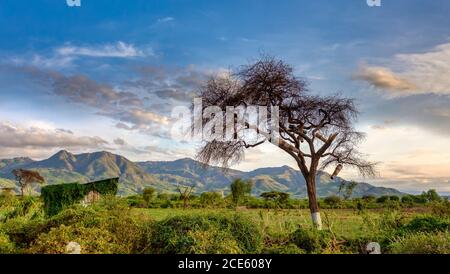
(27, 177)
(185, 194)
(316, 131)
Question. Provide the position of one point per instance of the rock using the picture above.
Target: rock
(373, 248)
(73, 248)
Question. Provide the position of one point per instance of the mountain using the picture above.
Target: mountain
(166, 175)
(67, 167)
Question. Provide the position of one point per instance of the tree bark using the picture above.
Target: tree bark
(313, 204)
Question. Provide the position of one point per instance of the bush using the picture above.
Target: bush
(427, 224)
(92, 240)
(311, 240)
(422, 243)
(332, 201)
(289, 248)
(124, 233)
(204, 234)
(6, 246)
(57, 197)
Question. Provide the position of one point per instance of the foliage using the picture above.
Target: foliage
(333, 201)
(311, 240)
(240, 189)
(422, 243)
(190, 233)
(56, 197)
(210, 199)
(427, 224)
(148, 194)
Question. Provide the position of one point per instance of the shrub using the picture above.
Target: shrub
(427, 224)
(311, 240)
(422, 243)
(441, 209)
(289, 248)
(92, 240)
(6, 246)
(57, 197)
(332, 201)
(204, 233)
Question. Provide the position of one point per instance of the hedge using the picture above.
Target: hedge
(56, 197)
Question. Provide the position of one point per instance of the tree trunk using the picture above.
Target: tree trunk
(312, 197)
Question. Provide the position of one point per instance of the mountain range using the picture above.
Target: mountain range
(165, 176)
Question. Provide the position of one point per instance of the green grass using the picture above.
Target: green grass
(345, 222)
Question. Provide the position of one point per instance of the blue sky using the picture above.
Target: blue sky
(106, 75)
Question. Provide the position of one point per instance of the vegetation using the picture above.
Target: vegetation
(323, 124)
(240, 189)
(56, 197)
(213, 224)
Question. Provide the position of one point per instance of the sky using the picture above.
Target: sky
(106, 75)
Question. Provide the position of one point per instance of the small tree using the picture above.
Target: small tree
(281, 198)
(210, 198)
(27, 177)
(240, 189)
(185, 194)
(148, 194)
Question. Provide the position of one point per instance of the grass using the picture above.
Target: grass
(345, 222)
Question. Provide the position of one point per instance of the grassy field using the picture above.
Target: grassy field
(345, 222)
(112, 226)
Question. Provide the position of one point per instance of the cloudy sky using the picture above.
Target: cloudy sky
(106, 75)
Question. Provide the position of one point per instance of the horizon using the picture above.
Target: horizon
(414, 192)
(109, 81)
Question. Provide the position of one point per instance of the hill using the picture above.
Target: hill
(166, 175)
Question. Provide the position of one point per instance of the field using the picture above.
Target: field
(113, 226)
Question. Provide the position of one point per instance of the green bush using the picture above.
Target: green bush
(289, 248)
(422, 243)
(6, 246)
(311, 240)
(427, 224)
(205, 234)
(57, 197)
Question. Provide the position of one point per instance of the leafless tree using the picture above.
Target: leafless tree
(27, 177)
(316, 131)
(185, 194)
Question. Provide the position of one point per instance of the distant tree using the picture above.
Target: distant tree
(432, 196)
(148, 194)
(382, 199)
(27, 177)
(239, 189)
(280, 198)
(347, 189)
(185, 194)
(210, 198)
(369, 198)
(332, 201)
(317, 132)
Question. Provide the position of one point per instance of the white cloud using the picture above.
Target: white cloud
(412, 73)
(165, 19)
(18, 137)
(119, 50)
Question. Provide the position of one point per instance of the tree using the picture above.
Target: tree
(240, 189)
(210, 198)
(432, 196)
(281, 198)
(347, 189)
(148, 194)
(185, 194)
(333, 201)
(316, 131)
(27, 177)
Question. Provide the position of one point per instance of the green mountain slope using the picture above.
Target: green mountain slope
(64, 167)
